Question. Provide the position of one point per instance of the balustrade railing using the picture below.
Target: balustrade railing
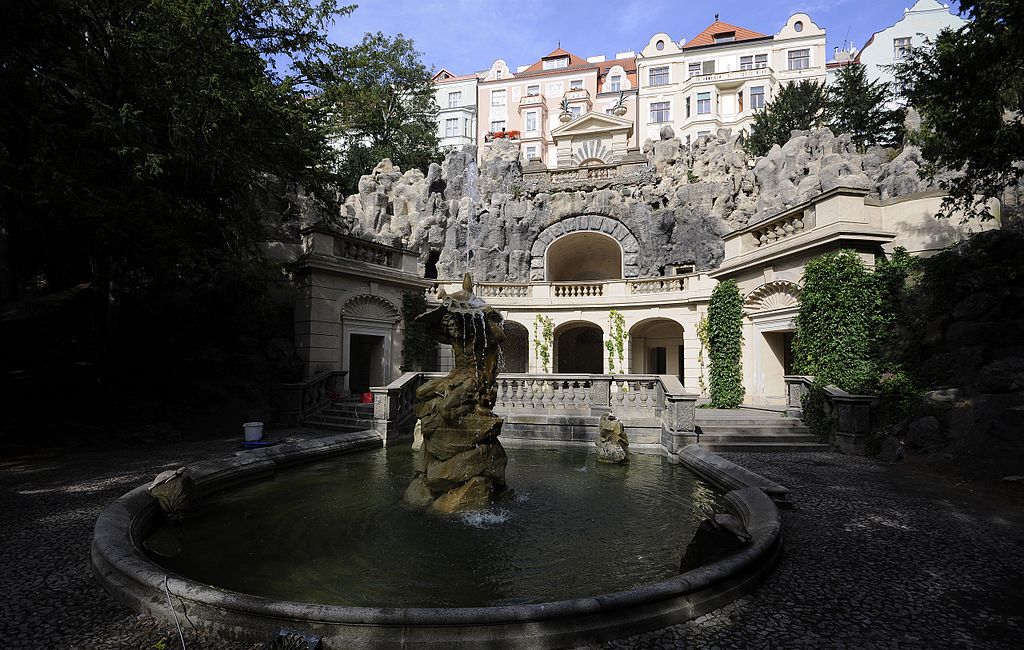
(778, 229)
(304, 398)
(546, 393)
(637, 394)
(394, 406)
(364, 251)
(658, 285)
(496, 290)
(579, 290)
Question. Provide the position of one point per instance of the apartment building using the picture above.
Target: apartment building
(722, 76)
(457, 109)
(534, 102)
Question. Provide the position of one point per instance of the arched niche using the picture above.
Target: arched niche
(772, 296)
(613, 228)
(657, 348)
(583, 256)
(579, 348)
(515, 349)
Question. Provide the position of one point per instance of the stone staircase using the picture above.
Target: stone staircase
(747, 429)
(343, 416)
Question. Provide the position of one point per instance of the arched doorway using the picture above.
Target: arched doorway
(579, 349)
(656, 348)
(367, 324)
(515, 349)
(772, 309)
(584, 256)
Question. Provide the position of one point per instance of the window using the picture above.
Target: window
(616, 83)
(701, 134)
(694, 69)
(725, 37)
(687, 106)
(756, 97)
(576, 111)
(497, 125)
(798, 26)
(451, 127)
(900, 47)
(703, 103)
(747, 62)
(708, 67)
(531, 121)
(760, 60)
(497, 98)
(498, 74)
(455, 99)
(659, 76)
(576, 84)
(659, 112)
(799, 59)
(553, 64)
(533, 91)
(531, 153)
(739, 100)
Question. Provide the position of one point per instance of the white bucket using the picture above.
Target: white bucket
(253, 431)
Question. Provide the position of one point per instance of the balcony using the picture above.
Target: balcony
(674, 288)
(531, 101)
(732, 78)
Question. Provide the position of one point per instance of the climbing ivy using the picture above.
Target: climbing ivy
(702, 336)
(725, 339)
(615, 344)
(417, 347)
(543, 335)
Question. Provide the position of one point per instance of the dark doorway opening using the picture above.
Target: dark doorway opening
(366, 362)
(581, 350)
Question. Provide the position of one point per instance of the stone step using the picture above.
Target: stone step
(770, 447)
(337, 426)
(341, 419)
(758, 438)
(780, 427)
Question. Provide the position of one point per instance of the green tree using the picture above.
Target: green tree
(861, 108)
(725, 343)
(797, 106)
(968, 86)
(380, 99)
(135, 135)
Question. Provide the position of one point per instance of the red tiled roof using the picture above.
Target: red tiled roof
(445, 76)
(539, 65)
(707, 37)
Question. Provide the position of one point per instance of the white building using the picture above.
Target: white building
(456, 115)
(723, 75)
(921, 22)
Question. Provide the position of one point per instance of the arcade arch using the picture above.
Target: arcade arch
(657, 348)
(578, 348)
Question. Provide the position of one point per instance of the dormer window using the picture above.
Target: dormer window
(725, 37)
(553, 64)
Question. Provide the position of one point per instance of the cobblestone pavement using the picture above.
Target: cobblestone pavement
(874, 557)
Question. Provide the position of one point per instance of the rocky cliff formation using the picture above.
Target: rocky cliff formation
(484, 218)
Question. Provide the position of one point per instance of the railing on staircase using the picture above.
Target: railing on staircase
(304, 398)
(851, 413)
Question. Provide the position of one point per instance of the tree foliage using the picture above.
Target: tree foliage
(863, 109)
(379, 101)
(725, 340)
(797, 106)
(968, 86)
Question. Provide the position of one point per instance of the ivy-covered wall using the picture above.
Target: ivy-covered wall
(725, 343)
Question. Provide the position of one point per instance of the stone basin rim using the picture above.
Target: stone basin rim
(133, 579)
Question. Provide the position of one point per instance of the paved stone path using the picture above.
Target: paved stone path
(874, 557)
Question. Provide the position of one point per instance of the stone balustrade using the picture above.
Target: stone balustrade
(304, 398)
(658, 285)
(589, 173)
(501, 290)
(363, 251)
(777, 229)
(650, 402)
(850, 413)
(578, 289)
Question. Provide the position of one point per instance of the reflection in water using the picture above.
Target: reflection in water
(336, 532)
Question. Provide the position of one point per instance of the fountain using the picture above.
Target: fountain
(459, 461)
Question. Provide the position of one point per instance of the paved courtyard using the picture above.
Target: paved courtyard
(875, 557)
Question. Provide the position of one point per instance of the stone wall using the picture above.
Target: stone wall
(486, 217)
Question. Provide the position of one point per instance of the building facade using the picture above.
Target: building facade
(919, 23)
(532, 103)
(721, 77)
(456, 98)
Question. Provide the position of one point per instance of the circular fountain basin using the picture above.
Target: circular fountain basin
(580, 551)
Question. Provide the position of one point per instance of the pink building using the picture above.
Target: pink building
(537, 103)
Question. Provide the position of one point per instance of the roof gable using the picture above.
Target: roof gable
(556, 54)
(707, 37)
(593, 122)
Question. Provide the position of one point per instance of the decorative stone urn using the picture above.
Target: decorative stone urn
(460, 464)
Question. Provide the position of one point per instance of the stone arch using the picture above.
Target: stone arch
(588, 222)
(578, 348)
(371, 308)
(777, 294)
(515, 349)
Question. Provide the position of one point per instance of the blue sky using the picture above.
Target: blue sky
(467, 35)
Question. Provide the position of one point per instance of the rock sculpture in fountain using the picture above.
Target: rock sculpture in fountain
(460, 464)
